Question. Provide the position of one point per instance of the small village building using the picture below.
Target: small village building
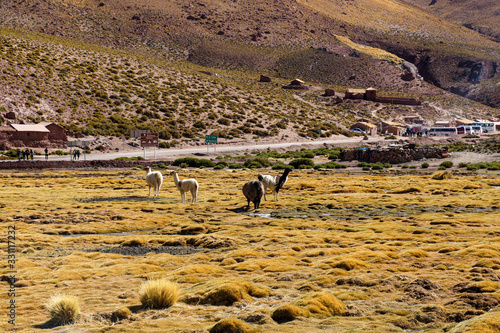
(371, 94)
(30, 133)
(329, 92)
(444, 123)
(413, 120)
(352, 93)
(389, 127)
(463, 122)
(264, 78)
(56, 132)
(297, 82)
(370, 129)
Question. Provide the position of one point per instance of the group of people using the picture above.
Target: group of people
(75, 155)
(25, 155)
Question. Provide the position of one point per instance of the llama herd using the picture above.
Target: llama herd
(253, 190)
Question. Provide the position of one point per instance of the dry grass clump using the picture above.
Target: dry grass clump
(412, 189)
(286, 313)
(349, 264)
(440, 175)
(489, 263)
(225, 292)
(63, 309)
(486, 323)
(232, 325)
(315, 304)
(159, 294)
(134, 242)
(120, 314)
(416, 253)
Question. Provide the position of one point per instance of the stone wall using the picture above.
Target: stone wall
(393, 155)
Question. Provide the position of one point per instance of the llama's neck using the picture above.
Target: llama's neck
(176, 178)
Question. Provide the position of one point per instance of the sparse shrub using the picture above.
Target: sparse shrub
(160, 166)
(258, 162)
(425, 165)
(159, 294)
(193, 162)
(446, 164)
(302, 163)
(164, 144)
(279, 165)
(405, 166)
(63, 309)
(221, 165)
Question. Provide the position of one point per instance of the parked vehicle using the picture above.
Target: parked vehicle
(443, 131)
(478, 130)
(358, 130)
(465, 130)
(488, 127)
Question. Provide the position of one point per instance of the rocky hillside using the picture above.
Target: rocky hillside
(186, 69)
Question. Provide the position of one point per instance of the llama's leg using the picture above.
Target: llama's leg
(265, 189)
(183, 196)
(149, 190)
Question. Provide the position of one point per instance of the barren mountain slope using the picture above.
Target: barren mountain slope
(480, 15)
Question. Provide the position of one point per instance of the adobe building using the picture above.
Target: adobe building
(370, 129)
(56, 132)
(32, 135)
(390, 127)
(29, 133)
(352, 93)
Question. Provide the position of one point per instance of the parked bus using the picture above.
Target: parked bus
(488, 127)
(443, 131)
(478, 130)
(465, 130)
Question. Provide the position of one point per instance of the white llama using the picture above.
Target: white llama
(186, 185)
(154, 179)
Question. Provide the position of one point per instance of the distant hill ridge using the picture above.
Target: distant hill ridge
(116, 62)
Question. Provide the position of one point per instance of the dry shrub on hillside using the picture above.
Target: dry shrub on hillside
(159, 294)
(232, 325)
(63, 309)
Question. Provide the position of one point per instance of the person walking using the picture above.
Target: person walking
(46, 153)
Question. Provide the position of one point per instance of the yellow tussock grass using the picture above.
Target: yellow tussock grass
(232, 325)
(320, 304)
(486, 323)
(63, 309)
(159, 294)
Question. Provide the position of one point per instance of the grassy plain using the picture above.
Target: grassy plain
(400, 252)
